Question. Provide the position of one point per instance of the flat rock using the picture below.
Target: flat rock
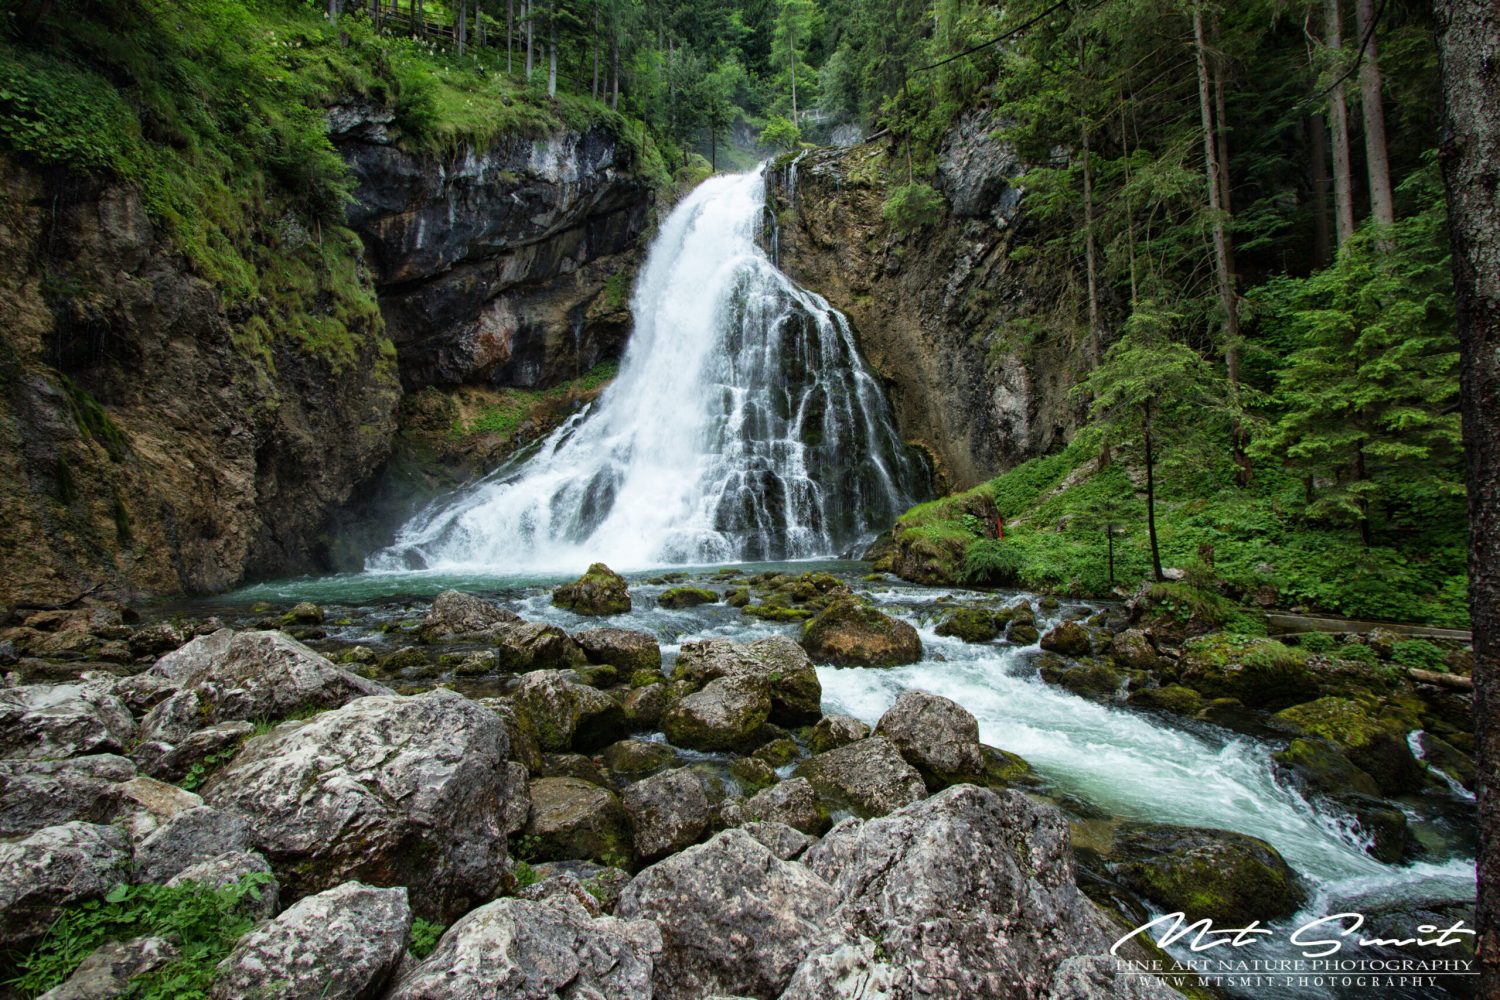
(388, 790)
(342, 944)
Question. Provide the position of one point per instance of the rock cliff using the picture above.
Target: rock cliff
(950, 314)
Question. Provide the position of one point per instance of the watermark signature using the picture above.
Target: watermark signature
(1316, 955)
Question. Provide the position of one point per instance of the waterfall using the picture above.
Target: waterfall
(743, 426)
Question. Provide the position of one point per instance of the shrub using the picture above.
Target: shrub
(991, 562)
(912, 206)
(1419, 653)
(780, 133)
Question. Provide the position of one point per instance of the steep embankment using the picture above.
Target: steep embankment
(946, 313)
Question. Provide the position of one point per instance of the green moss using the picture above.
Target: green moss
(686, 597)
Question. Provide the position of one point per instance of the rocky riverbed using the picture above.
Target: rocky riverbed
(759, 782)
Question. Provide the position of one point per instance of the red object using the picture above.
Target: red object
(1000, 528)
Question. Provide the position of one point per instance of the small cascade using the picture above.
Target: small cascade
(743, 426)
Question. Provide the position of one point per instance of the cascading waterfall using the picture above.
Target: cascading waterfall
(743, 426)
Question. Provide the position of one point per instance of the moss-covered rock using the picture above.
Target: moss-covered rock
(973, 624)
(565, 714)
(1372, 734)
(848, 633)
(1322, 768)
(686, 597)
(834, 731)
(1262, 673)
(778, 752)
(1021, 633)
(1091, 679)
(1225, 877)
(573, 819)
(1168, 698)
(1067, 638)
(1132, 650)
(305, 613)
(635, 759)
(752, 773)
(628, 650)
(724, 715)
(1003, 769)
(600, 591)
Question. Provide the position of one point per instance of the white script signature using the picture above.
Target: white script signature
(1205, 937)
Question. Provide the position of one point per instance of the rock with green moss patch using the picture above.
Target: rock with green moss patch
(1021, 633)
(847, 633)
(778, 662)
(1067, 638)
(1169, 698)
(777, 752)
(305, 613)
(1003, 769)
(973, 624)
(572, 818)
(600, 591)
(686, 597)
(725, 715)
(1262, 673)
(566, 714)
(527, 646)
(1322, 768)
(644, 704)
(793, 802)
(629, 650)
(834, 731)
(633, 759)
(752, 773)
(1089, 679)
(1132, 650)
(1373, 736)
(1229, 878)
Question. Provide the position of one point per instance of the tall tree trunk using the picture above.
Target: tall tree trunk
(1372, 107)
(463, 25)
(1151, 494)
(334, 8)
(552, 50)
(479, 23)
(1318, 181)
(791, 51)
(1090, 252)
(526, 15)
(596, 49)
(510, 34)
(1470, 156)
(614, 46)
(1338, 126)
(1129, 209)
(1228, 300)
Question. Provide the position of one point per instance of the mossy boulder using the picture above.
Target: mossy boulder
(634, 759)
(528, 646)
(1372, 734)
(777, 752)
(1091, 679)
(752, 773)
(1262, 674)
(686, 597)
(573, 819)
(1067, 638)
(725, 715)
(1169, 698)
(600, 591)
(1132, 650)
(973, 624)
(1003, 769)
(847, 633)
(565, 714)
(1174, 612)
(305, 613)
(1229, 878)
(1021, 633)
(628, 650)
(777, 661)
(834, 731)
(1319, 766)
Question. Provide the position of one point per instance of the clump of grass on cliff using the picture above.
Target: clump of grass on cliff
(509, 409)
(1057, 509)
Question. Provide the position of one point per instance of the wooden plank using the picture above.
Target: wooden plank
(1283, 624)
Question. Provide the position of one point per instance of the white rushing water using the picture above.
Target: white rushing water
(742, 425)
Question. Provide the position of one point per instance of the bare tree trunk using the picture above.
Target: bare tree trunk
(479, 23)
(510, 34)
(1129, 209)
(614, 97)
(1338, 127)
(526, 15)
(1151, 495)
(463, 25)
(1318, 180)
(1091, 258)
(791, 49)
(1228, 300)
(552, 50)
(1372, 107)
(335, 7)
(1470, 155)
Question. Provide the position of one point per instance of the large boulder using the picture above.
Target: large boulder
(342, 944)
(1229, 878)
(521, 949)
(535, 646)
(600, 591)
(782, 665)
(54, 868)
(936, 735)
(626, 650)
(195, 754)
(229, 868)
(967, 894)
(458, 615)
(847, 633)
(793, 802)
(412, 791)
(246, 675)
(631, 760)
(669, 811)
(1068, 638)
(869, 776)
(1132, 650)
(974, 624)
(834, 731)
(1374, 738)
(189, 838)
(41, 793)
(575, 819)
(48, 721)
(563, 713)
(107, 971)
(734, 918)
(726, 715)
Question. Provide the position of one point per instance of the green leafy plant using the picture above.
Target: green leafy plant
(990, 562)
(781, 133)
(912, 207)
(1419, 653)
(424, 937)
(205, 922)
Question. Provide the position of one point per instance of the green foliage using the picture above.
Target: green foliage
(1419, 653)
(1316, 642)
(205, 923)
(424, 937)
(912, 207)
(780, 133)
(990, 562)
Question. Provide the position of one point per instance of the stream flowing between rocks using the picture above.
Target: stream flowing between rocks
(1101, 763)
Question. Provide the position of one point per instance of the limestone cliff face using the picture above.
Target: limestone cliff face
(506, 265)
(945, 314)
(144, 447)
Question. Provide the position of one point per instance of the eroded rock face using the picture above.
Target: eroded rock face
(519, 949)
(42, 793)
(780, 664)
(849, 634)
(870, 776)
(600, 591)
(969, 893)
(53, 868)
(725, 715)
(48, 721)
(342, 944)
(412, 791)
(563, 713)
(246, 675)
(734, 918)
(936, 735)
